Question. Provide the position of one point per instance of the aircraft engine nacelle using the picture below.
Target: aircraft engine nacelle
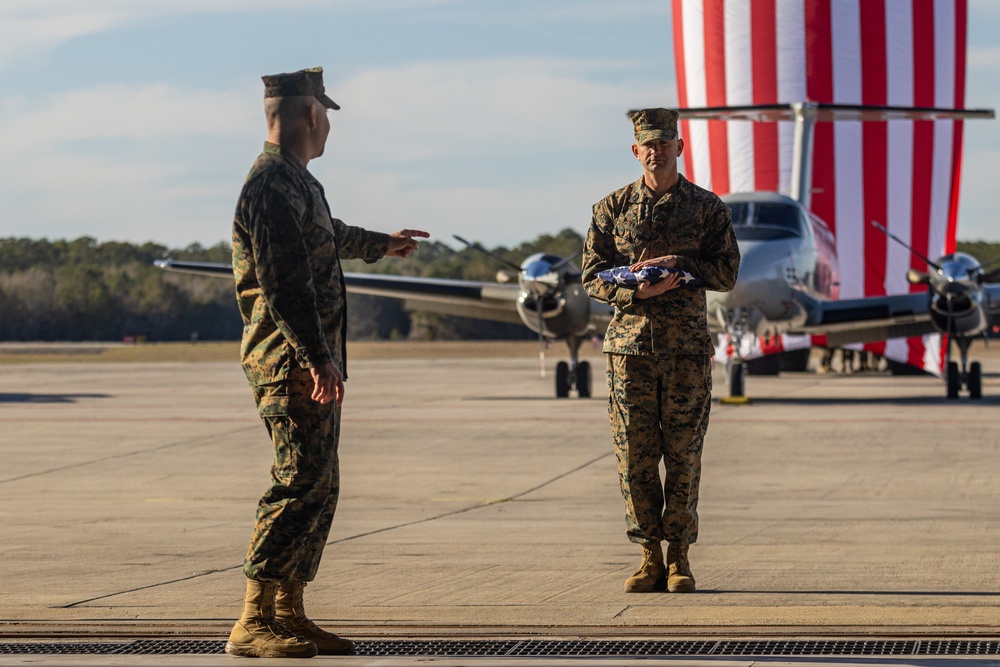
(956, 296)
(962, 307)
(567, 313)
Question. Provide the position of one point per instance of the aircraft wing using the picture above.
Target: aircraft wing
(463, 298)
(880, 318)
(871, 319)
(197, 268)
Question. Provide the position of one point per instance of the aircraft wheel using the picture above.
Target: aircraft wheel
(583, 379)
(954, 380)
(735, 377)
(975, 380)
(562, 380)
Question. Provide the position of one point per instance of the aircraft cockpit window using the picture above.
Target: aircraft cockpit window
(764, 220)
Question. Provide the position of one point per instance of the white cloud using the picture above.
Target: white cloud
(28, 36)
(121, 163)
(516, 122)
(506, 106)
(162, 163)
(31, 27)
(127, 112)
(977, 217)
(985, 58)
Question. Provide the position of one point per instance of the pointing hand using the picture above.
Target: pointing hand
(403, 243)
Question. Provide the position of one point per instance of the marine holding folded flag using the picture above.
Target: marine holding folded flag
(287, 248)
(658, 344)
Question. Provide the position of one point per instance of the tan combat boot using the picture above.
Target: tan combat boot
(258, 635)
(291, 613)
(679, 577)
(651, 576)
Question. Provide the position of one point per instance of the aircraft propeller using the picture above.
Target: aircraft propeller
(957, 308)
(553, 303)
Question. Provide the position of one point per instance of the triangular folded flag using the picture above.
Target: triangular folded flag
(621, 275)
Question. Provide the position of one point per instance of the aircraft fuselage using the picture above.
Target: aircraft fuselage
(788, 262)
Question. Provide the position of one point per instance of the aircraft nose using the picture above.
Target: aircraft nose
(539, 277)
(763, 266)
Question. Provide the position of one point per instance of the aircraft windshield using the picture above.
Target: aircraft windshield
(764, 220)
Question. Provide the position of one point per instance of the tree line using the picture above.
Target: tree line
(82, 290)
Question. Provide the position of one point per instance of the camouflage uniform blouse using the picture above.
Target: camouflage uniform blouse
(688, 221)
(286, 258)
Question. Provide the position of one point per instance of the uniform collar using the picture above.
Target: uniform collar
(641, 193)
(275, 149)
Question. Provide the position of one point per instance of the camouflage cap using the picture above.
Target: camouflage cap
(303, 82)
(654, 124)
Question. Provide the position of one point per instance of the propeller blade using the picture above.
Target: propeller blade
(991, 277)
(904, 244)
(559, 265)
(479, 248)
(541, 340)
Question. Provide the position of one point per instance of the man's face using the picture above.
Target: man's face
(658, 156)
(322, 130)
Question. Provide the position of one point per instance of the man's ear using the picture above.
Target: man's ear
(680, 146)
(311, 117)
(635, 150)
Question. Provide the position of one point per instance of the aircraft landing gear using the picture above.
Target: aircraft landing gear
(969, 376)
(738, 331)
(953, 380)
(975, 380)
(735, 370)
(575, 374)
(567, 378)
(563, 383)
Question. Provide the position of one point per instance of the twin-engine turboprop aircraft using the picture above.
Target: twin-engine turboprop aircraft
(788, 279)
(547, 297)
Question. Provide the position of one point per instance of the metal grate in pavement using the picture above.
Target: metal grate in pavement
(542, 648)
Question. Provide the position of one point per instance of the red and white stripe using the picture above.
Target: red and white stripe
(903, 174)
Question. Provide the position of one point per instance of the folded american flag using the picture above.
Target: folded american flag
(621, 275)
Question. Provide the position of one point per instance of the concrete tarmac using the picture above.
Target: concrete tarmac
(476, 505)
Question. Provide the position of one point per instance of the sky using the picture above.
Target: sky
(496, 120)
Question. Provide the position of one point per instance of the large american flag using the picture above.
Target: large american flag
(903, 173)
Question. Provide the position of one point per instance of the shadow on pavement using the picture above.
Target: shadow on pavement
(47, 398)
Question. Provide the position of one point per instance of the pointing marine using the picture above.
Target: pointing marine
(287, 248)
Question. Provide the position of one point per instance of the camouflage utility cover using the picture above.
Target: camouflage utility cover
(687, 221)
(287, 249)
(306, 82)
(654, 124)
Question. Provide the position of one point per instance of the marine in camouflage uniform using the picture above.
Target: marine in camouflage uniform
(290, 289)
(658, 344)
(287, 248)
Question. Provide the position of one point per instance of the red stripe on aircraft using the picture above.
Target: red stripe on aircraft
(923, 149)
(950, 240)
(715, 92)
(961, 27)
(764, 57)
(875, 150)
(680, 66)
(819, 88)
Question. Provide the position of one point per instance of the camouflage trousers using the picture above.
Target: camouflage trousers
(659, 408)
(295, 514)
